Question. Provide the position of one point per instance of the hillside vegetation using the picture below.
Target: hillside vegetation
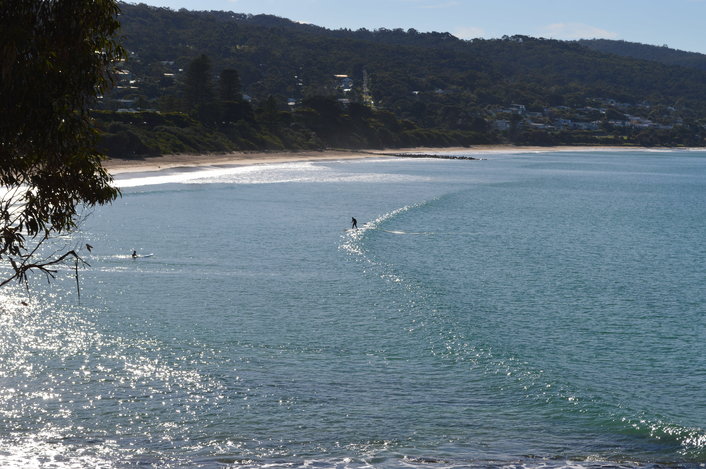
(662, 54)
(219, 81)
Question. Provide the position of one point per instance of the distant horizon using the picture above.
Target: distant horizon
(676, 25)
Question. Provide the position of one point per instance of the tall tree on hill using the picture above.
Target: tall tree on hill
(268, 112)
(198, 89)
(229, 85)
(55, 57)
(233, 107)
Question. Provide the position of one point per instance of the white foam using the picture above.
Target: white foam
(278, 173)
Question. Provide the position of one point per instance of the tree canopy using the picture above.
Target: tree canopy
(56, 56)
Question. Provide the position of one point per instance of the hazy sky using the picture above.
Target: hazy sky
(680, 24)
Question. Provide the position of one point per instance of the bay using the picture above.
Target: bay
(537, 309)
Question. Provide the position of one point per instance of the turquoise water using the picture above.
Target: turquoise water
(526, 310)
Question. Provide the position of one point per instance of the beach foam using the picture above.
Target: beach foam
(276, 173)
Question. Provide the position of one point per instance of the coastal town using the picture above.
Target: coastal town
(604, 114)
(251, 84)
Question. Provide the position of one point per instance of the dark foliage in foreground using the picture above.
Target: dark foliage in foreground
(55, 56)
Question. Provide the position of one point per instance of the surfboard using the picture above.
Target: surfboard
(141, 256)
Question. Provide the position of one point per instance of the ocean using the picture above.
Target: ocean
(525, 310)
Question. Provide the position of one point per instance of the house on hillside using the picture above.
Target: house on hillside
(502, 125)
(518, 109)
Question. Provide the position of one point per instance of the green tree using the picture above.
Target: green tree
(229, 85)
(268, 113)
(55, 57)
(198, 89)
(233, 107)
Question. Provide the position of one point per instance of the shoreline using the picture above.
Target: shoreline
(117, 166)
(185, 160)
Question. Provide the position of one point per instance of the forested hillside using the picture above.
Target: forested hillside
(254, 82)
(661, 54)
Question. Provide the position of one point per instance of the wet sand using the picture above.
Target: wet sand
(117, 165)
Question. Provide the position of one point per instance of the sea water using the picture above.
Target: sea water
(523, 310)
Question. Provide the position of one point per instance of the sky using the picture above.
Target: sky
(679, 24)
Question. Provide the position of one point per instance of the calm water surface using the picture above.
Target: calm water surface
(526, 310)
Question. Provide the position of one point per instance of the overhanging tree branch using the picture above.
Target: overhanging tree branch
(56, 56)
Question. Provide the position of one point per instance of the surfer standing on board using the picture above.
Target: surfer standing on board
(354, 223)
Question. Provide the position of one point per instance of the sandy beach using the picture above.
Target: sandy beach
(157, 163)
